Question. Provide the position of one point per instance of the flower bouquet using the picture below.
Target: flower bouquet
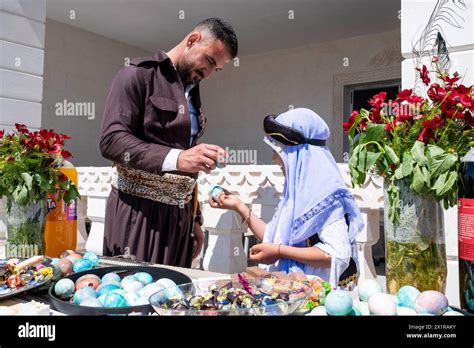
(415, 143)
(30, 170)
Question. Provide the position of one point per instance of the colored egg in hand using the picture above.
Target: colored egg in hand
(64, 288)
(338, 302)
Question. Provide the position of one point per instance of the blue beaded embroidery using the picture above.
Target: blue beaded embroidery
(327, 202)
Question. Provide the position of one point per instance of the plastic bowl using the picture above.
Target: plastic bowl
(298, 291)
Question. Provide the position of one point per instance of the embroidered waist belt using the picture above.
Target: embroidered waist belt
(169, 188)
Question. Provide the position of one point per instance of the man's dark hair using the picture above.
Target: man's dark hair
(222, 31)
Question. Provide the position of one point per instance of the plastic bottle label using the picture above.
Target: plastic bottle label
(466, 228)
(71, 211)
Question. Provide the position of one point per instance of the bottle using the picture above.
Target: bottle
(466, 233)
(61, 220)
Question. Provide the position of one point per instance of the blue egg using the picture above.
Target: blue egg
(338, 302)
(144, 278)
(101, 299)
(111, 276)
(93, 258)
(64, 288)
(104, 288)
(216, 190)
(82, 265)
(83, 293)
(355, 312)
(91, 302)
(118, 291)
(114, 300)
(407, 295)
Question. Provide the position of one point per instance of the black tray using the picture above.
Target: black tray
(156, 272)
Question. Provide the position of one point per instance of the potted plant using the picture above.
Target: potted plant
(30, 170)
(415, 143)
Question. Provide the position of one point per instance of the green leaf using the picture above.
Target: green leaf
(371, 159)
(440, 182)
(442, 163)
(28, 180)
(418, 180)
(452, 178)
(20, 195)
(435, 150)
(374, 132)
(361, 161)
(418, 153)
(391, 154)
(407, 165)
(426, 175)
(42, 183)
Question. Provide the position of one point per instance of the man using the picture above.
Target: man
(152, 120)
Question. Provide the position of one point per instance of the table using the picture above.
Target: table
(42, 296)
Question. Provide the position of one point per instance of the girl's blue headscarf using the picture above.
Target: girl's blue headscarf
(314, 194)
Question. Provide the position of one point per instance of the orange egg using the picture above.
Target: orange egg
(90, 281)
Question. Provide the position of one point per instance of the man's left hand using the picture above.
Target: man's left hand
(264, 253)
(198, 240)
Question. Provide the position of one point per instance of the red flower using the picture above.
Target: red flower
(469, 117)
(404, 95)
(347, 125)
(393, 166)
(450, 81)
(415, 99)
(374, 115)
(66, 154)
(389, 127)
(424, 75)
(2, 132)
(461, 89)
(21, 128)
(436, 92)
(378, 100)
(425, 135)
(436, 122)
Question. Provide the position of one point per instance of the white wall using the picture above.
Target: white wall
(79, 67)
(21, 62)
(237, 99)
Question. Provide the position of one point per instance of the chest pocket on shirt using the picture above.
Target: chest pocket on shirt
(164, 110)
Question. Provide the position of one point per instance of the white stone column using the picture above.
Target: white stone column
(460, 42)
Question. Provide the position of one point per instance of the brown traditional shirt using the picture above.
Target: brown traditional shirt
(146, 114)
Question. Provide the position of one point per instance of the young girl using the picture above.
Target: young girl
(315, 226)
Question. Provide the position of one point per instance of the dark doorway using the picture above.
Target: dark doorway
(357, 97)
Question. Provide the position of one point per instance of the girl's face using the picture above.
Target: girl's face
(277, 160)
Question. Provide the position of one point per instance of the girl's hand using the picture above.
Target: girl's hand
(225, 200)
(265, 253)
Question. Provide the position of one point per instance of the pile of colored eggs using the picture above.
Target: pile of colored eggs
(72, 262)
(111, 291)
(372, 301)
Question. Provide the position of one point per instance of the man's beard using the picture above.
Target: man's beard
(185, 74)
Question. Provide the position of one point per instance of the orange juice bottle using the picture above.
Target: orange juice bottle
(61, 221)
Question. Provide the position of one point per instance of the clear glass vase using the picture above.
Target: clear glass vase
(25, 229)
(415, 247)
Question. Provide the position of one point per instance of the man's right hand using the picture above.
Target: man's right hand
(202, 157)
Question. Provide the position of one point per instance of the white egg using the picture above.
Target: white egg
(132, 297)
(134, 285)
(166, 282)
(367, 288)
(150, 289)
(382, 304)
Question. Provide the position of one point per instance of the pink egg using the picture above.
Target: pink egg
(431, 302)
(65, 265)
(84, 282)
